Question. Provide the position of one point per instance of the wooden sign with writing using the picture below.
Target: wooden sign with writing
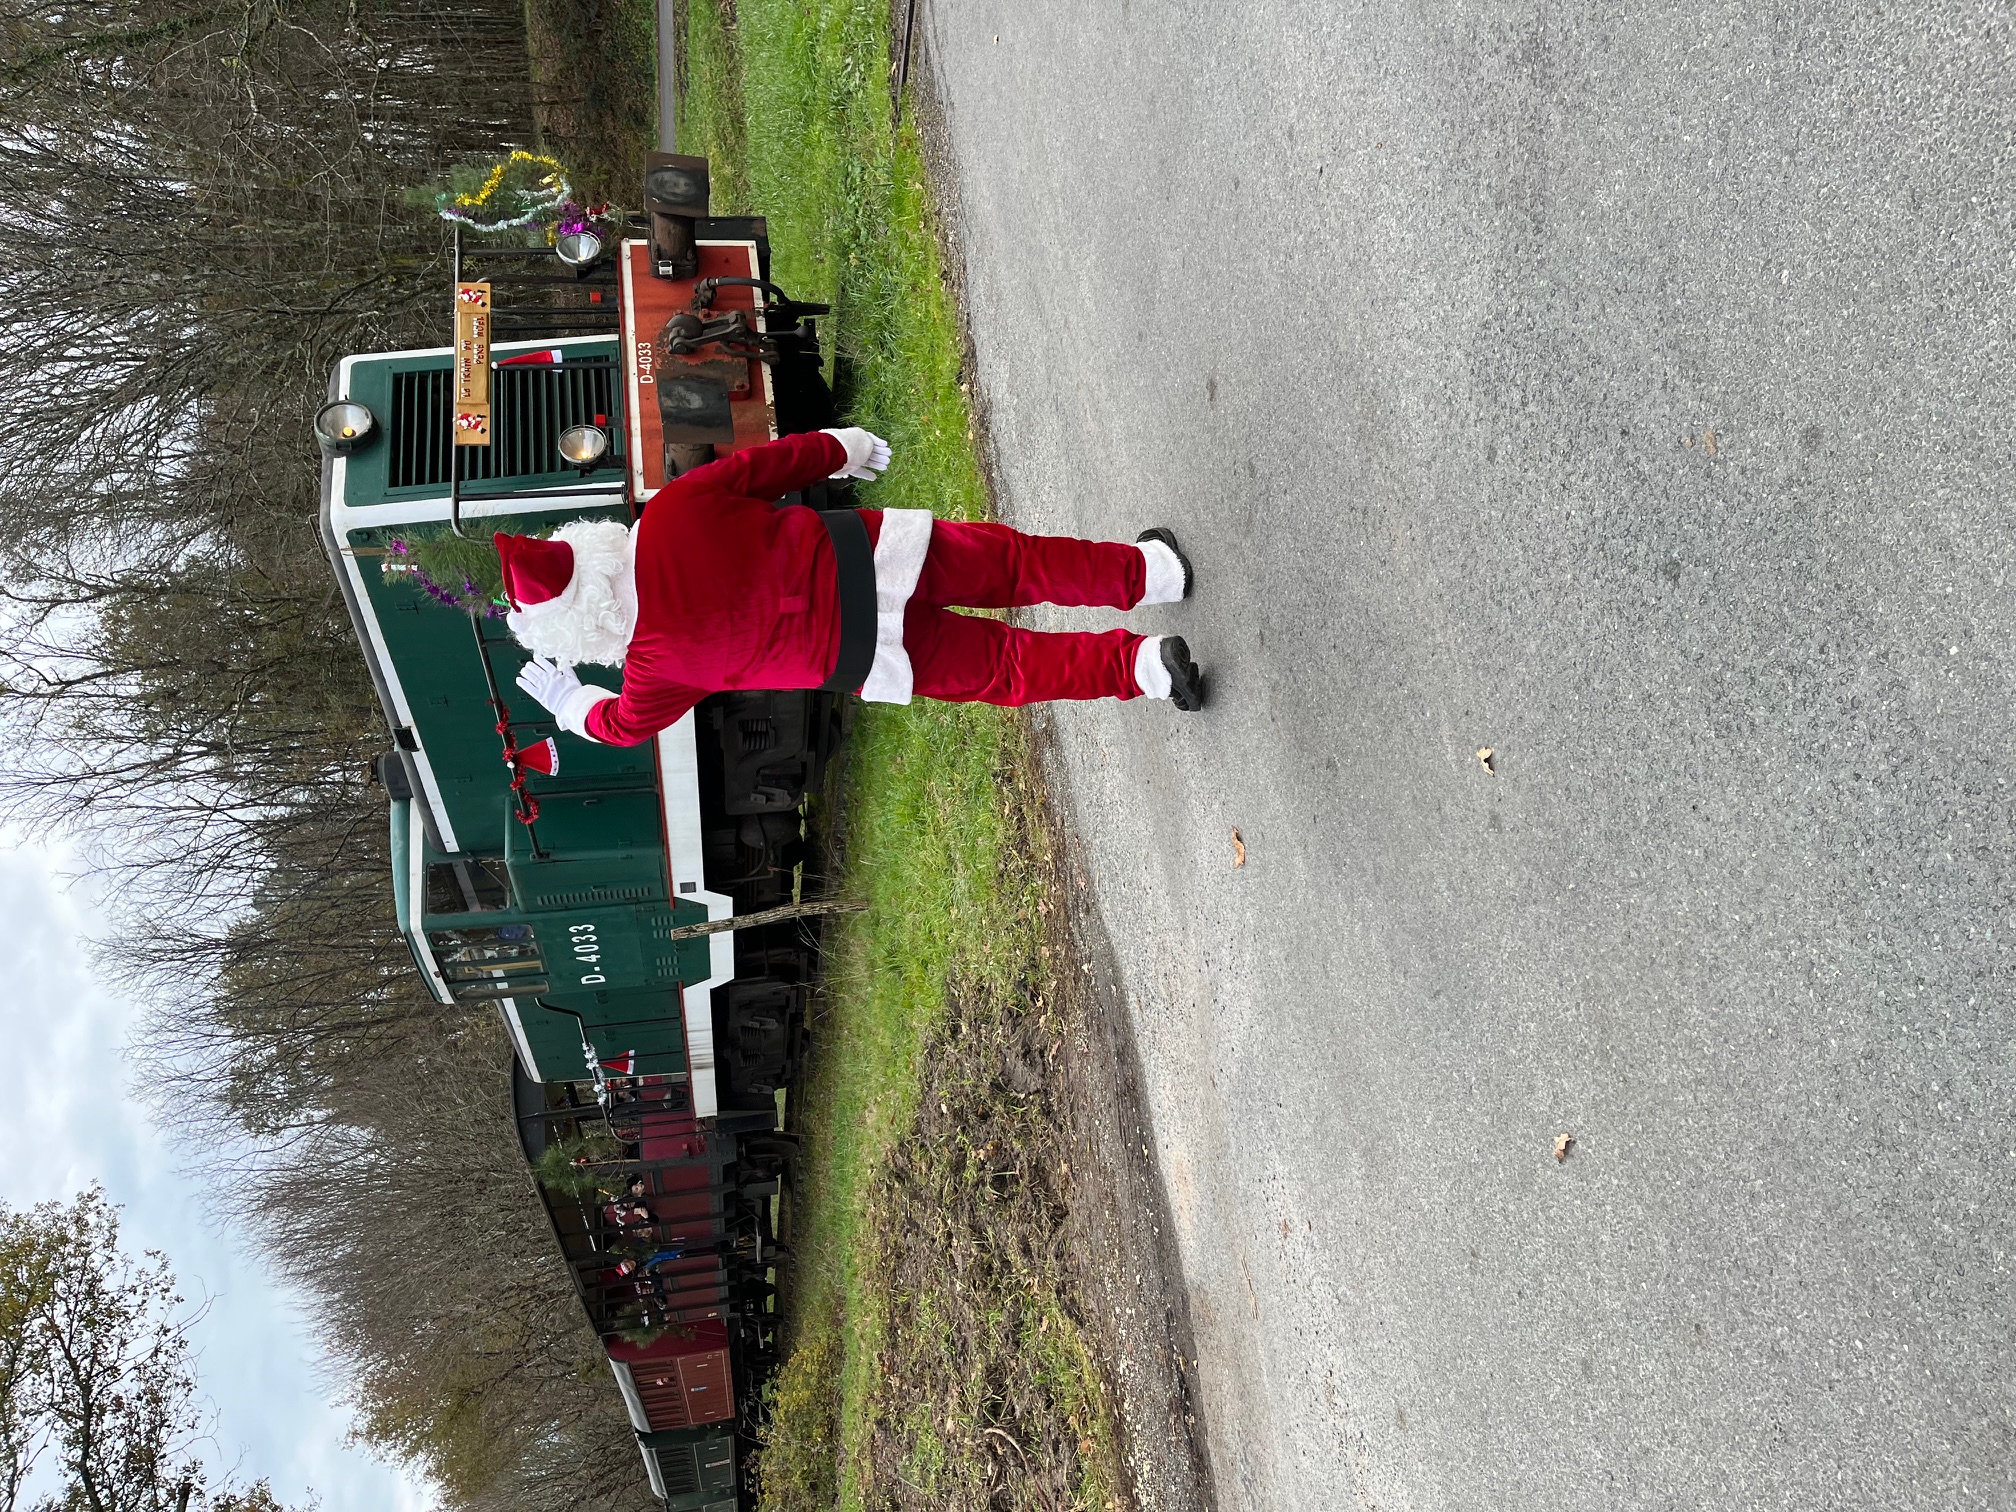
(472, 364)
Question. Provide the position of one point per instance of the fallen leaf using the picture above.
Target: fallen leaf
(1563, 1143)
(1238, 848)
(1488, 759)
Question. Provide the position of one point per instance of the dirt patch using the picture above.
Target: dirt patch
(1036, 1336)
(1121, 1244)
(988, 1395)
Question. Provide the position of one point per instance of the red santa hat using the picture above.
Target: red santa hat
(536, 572)
(551, 357)
(542, 756)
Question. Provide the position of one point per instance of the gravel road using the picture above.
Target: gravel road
(1626, 390)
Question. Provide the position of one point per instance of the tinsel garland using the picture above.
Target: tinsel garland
(575, 217)
(543, 196)
(454, 571)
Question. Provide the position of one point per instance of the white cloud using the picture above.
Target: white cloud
(68, 1118)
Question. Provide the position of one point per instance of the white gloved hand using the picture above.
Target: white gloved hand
(549, 682)
(561, 693)
(867, 453)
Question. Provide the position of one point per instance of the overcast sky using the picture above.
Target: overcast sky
(68, 1118)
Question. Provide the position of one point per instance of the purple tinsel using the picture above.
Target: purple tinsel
(469, 601)
(575, 217)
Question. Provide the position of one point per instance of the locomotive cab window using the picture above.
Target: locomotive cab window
(466, 885)
(499, 961)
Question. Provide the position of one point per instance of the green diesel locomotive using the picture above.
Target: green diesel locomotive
(554, 895)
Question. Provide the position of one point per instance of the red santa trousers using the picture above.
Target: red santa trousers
(961, 658)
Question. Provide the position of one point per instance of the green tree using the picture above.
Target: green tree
(98, 1405)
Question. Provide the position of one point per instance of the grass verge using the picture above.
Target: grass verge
(936, 1357)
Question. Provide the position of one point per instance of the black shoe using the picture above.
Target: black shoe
(1186, 682)
(1168, 538)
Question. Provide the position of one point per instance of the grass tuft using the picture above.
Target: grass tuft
(712, 121)
(801, 1450)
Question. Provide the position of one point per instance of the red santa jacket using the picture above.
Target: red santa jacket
(732, 592)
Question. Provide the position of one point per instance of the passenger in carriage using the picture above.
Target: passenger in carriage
(644, 1264)
(627, 1213)
(715, 588)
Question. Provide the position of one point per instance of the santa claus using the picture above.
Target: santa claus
(715, 587)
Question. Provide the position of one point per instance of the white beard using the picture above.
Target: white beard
(593, 617)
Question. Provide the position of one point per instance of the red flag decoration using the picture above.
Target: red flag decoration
(551, 357)
(623, 1064)
(542, 756)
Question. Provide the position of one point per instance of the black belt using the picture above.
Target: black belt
(854, 564)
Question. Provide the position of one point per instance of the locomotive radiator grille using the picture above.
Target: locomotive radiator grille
(529, 407)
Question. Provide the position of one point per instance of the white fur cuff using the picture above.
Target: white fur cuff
(1165, 575)
(1150, 676)
(572, 715)
(867, 453)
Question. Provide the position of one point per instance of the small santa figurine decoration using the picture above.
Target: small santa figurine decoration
(716, 587)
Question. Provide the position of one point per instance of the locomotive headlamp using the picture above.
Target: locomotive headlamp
(343, 426)
(578, 249)
(584, 445)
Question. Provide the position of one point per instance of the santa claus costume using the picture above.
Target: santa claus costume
(716, 587)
